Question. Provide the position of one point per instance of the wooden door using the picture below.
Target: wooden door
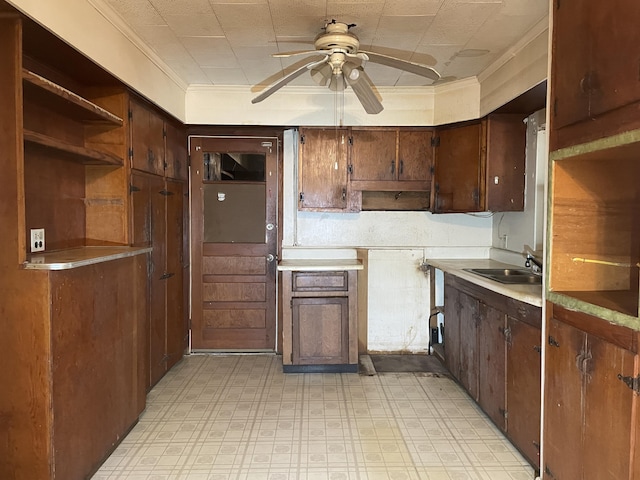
(322, 168)
(563, 407)
(469, 319)
(149, 229)
(491, 364)
(570, 102)
(177, 327)
(608, 404)
(457, 169)
(452, 331)
(373, 155)
(147, 139)
(320, 328)
(415, 155)
(234, 192)
(176, 161)
(523, 387)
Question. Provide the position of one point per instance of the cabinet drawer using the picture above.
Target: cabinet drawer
(320, 281)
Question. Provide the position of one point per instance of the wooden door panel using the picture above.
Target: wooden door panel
(233, 282)
(523, 388)
(469, 317)
(320, 330)
(570, 101)
(608, 410)
(457, 169)
(491, 364)
(373, 155)
(323, 168)
(234, 292)
(415, 155)
(236, 265)
(614, 79)
(452, 329)
(563, 405)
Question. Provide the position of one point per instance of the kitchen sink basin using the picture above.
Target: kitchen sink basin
(519, 276)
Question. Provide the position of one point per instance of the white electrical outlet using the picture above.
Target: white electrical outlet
(37, 239)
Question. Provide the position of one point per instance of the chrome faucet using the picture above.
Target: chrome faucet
(531, 261)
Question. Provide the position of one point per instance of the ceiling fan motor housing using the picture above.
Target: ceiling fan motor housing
(337, 37)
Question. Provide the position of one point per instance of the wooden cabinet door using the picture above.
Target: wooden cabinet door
(523, 387)
(491, 363)
(457, 169)
(147, 139)
(570, 101)
(415, 155)
(176, 329)
(176, 155)
(563, 402)
(322, 169)
(506, 136)
(373, 155)
(469, 318)
(608, 405)
(452, 330)
(320, 330)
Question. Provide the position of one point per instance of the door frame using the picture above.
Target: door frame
(274, 135)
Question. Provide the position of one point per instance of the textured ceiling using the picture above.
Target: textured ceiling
(230, 42)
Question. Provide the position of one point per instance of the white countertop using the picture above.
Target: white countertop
(531, 294)
(320, 265)
(80, 257)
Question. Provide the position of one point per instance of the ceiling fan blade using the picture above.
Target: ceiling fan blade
(282, 82)
(300, 52)
(405, 65)
(363, 89)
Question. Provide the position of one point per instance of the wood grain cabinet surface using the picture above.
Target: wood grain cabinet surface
(595, 87)
(591, 399)
(319, 315)
(492, 347)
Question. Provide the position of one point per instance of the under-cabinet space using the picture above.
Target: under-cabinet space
(595, 228)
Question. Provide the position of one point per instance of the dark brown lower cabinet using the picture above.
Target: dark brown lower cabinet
(492, 347)
(590, 406)
(319, 321)
(157, 206)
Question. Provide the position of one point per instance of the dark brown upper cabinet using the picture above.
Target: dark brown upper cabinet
(480, 165)
(391, 159)
(322, 169)
(595, 84)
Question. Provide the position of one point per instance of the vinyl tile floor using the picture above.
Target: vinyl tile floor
(238, 417)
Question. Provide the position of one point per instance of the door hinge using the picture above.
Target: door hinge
(553, 342)
(133, 188)
(432, 169)
(504, 413)
(189, 160)
(350, 140)
(350, 169)
(130, 114)
(435, 141)
(506, 331)
(301, 198)
(131, 153)
(632, 382)
(302, 139)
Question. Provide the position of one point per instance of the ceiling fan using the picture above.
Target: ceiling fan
(342, 64)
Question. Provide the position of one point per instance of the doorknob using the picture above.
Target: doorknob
(270, 258)
(270, 226)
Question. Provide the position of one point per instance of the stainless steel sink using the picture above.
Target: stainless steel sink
(520, 276)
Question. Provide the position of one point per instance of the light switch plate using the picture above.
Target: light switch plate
(37, 239)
